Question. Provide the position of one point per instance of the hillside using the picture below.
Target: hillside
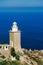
(28, 57)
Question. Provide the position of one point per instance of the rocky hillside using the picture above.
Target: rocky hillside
(33, 57)
(27, 57)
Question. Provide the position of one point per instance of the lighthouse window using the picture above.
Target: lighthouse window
(6, 46)
(0, 47)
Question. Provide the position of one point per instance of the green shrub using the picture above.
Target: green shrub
(13, 52)
(3, 63)
(40, 62)
(17, 56)
(15, 63)
(3, 56)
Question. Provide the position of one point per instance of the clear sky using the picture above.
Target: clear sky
(16, 3)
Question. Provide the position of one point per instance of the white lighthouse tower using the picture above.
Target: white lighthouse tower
(15, 37)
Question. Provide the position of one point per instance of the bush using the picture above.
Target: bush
(3, 63)
(17, 56)
(15, 63)
(3, 56)
(40, 62)
(13, 52)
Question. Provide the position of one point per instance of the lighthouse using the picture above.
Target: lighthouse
(15, 37)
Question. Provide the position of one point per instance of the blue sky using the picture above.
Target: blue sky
(19, 3)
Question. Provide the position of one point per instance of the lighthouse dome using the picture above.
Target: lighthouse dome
(14, 27)
(14, 23)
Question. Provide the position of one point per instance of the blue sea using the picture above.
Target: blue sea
(30, 22)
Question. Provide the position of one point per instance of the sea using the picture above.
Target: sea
(30, 22)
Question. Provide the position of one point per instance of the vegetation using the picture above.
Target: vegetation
(15, 63)
(3, 57)
(27, 53)
(3, 63)
(35, 58)
(40, 62)
(14, 54)
(17, 56)
(11, 63)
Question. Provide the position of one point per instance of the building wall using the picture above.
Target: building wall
(15, 37)
(11, 37)
(17, 40)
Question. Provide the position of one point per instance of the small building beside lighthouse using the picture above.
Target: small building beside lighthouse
(15, 37)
